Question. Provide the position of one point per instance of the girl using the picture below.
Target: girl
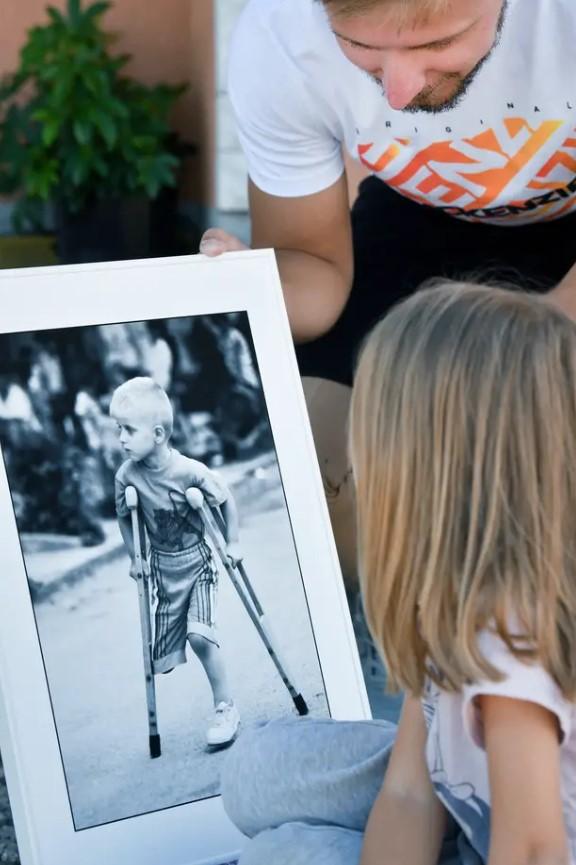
(463, 445)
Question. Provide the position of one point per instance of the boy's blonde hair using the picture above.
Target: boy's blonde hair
(405, 12)
(144, 397)
(463, 445)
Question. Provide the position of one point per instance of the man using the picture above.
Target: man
(465, 113)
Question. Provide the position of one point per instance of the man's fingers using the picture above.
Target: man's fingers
(215, 241)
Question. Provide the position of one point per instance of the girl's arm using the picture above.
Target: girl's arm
(408, 821)
(522, 743)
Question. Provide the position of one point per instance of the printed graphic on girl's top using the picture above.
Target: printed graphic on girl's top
(461, 787)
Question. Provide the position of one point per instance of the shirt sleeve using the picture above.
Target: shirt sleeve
(522, 681)
(215, 490)
(281, 126)
(120, 485)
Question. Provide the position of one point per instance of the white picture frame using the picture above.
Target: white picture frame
(39, 300)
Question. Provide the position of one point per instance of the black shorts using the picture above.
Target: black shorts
(399, 244)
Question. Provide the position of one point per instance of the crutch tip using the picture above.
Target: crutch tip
(301, 704)
(155, 749)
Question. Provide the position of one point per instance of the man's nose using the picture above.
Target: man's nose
(402, 79)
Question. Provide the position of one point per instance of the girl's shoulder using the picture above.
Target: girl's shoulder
(518, 678)
(515, 678)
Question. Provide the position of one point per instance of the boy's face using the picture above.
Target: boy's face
(138, 435)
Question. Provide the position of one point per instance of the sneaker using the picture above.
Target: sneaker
(224, 727)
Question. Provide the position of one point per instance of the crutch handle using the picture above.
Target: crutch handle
(195, 498)
(131, 498)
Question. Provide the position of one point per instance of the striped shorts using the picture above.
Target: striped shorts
(186, 584)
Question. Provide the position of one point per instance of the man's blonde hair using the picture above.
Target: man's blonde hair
(463, 446)
(145, 398)
(405, 12)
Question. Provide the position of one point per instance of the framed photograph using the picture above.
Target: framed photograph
(169, 575)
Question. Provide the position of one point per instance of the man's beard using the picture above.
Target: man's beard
(422, 101)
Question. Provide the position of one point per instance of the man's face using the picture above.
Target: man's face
(424, 67)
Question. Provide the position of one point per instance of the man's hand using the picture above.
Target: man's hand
(312, 238)
(215, 241)
(145, 569)
(234, 553)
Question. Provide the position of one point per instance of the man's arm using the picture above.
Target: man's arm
(313, 241)
(522, 743)
(408, 821)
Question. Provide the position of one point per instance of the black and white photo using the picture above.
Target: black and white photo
(162, 411)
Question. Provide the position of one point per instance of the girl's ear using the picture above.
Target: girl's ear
(159, 434)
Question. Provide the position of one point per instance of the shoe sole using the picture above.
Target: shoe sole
(220, 746)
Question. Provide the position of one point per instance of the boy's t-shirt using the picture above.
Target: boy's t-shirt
(171, 523)
(455, 753)
(506, 153)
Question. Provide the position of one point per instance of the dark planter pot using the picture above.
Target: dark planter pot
(107, 231)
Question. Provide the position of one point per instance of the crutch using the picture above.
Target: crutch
(144, 604)
(219, 520)
(214, 527)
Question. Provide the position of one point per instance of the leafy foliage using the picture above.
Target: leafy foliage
(73, 127)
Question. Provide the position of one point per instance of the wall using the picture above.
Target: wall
(171, 40)
(231, 174)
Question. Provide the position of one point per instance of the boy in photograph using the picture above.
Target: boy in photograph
(181, 564)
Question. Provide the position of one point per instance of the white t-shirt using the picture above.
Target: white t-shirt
(456, 759)
(506, 154)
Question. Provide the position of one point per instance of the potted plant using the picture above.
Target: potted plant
(78, 134)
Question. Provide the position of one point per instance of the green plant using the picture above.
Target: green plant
(73, 128)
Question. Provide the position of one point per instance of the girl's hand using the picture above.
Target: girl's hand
(234, 553)
(215, 241)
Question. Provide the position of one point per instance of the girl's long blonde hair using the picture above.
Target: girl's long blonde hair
(463, 447)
